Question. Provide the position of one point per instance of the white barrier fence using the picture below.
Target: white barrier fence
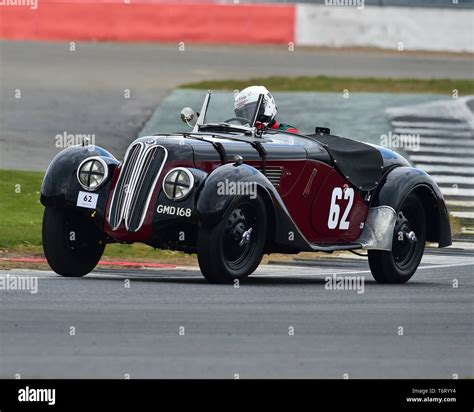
(398, 28)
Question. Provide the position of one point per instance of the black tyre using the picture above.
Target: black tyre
(399, 265)
(234, 247)
(72, 244)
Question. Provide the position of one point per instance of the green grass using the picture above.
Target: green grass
(141, 252)
(20, 209)
(338, 84)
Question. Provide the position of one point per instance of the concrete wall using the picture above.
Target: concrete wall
(385, 27)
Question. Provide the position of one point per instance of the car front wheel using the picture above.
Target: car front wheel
(233, 248)
(408, 245)
(72, 244)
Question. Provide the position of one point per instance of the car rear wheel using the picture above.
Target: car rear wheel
(399, 265)
(72, 244)
(233, 248)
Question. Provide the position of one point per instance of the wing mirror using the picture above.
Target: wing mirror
(187, 116)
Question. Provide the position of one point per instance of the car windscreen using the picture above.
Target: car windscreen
(221, 109)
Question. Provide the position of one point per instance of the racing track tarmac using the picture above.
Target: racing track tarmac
(83, 91)
(243, 331)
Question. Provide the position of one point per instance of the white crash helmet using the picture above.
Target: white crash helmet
(247, 99)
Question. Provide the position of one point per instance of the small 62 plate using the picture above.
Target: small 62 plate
(88, 200)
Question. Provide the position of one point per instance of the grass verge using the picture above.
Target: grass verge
(338, 84)
(20, 209)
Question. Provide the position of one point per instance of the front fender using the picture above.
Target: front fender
(217, 192)
(399, 183)
(60, 187)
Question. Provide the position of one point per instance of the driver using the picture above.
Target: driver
(246, 101)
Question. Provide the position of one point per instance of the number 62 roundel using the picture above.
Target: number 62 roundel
(335, 220)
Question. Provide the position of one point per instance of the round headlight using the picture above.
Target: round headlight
(178, 183)
(92, 173)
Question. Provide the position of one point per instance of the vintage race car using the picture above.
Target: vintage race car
(231, 191)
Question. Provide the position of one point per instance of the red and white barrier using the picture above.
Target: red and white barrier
(212, 22)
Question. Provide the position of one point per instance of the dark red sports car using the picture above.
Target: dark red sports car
(231, 192)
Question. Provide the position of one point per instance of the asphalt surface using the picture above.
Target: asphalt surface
(244, 331)
(84, 91)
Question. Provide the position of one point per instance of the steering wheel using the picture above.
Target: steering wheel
(241, 120)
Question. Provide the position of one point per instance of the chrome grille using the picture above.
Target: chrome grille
(117, 208)
(273, 173)
(141, 168)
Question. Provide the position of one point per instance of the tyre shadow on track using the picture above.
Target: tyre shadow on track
(266, 280)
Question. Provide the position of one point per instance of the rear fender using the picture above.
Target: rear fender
(402, 181)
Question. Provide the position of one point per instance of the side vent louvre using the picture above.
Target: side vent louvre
(273, 173)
